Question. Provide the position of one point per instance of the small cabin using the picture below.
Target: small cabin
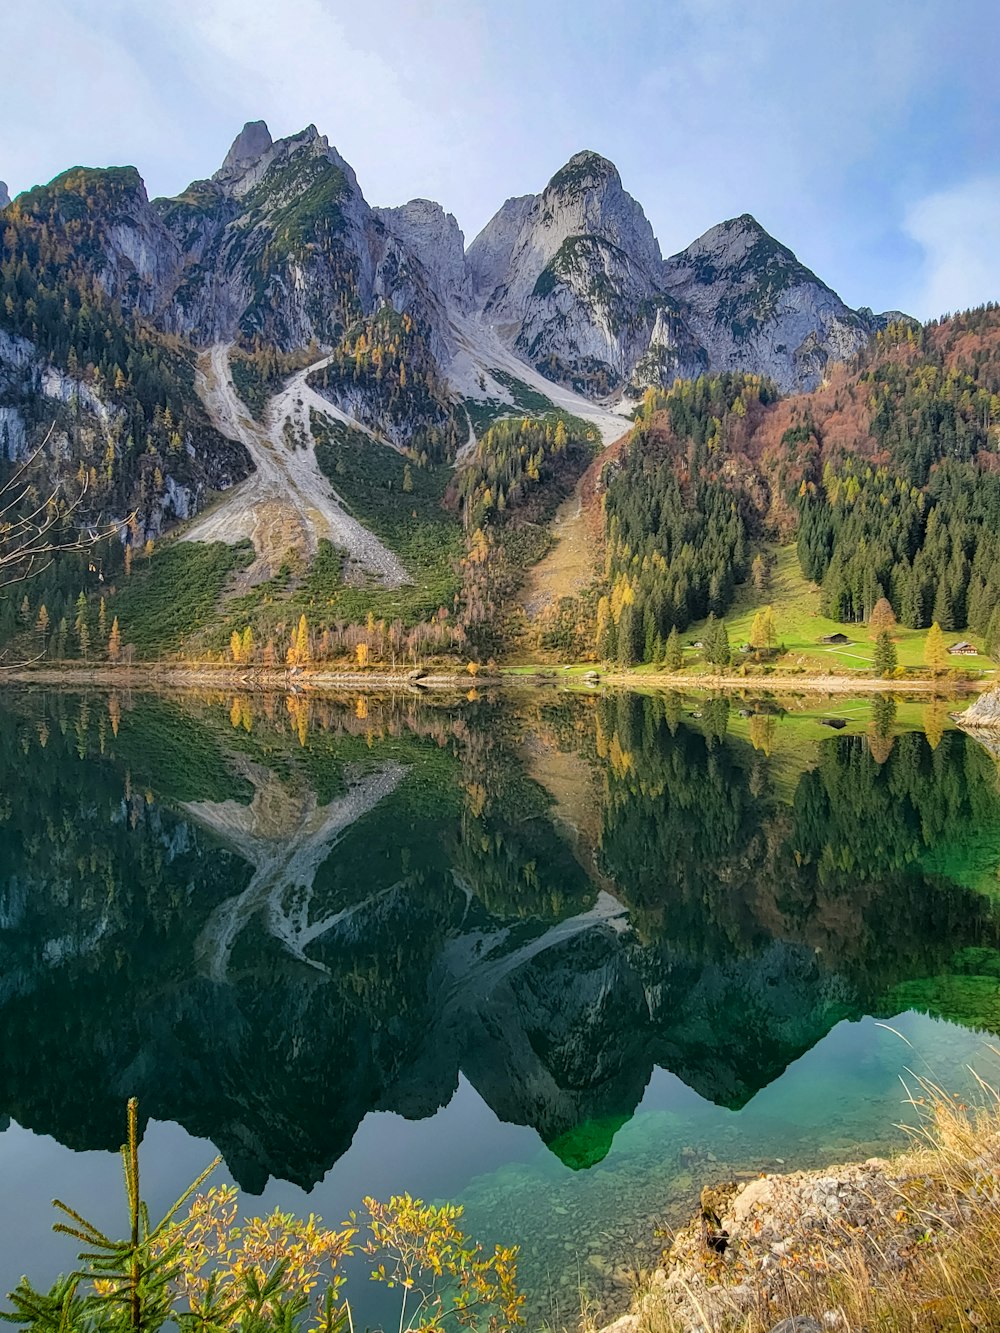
(835, 638)
(963, 649)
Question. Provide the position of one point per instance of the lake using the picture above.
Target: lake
(560, 957)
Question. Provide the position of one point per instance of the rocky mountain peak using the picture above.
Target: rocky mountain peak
(489, 254)
(752, 303)
(249, 146)
(586, 198)
(536, 238)
(4, 196)
(731, 243)
(435, 239)
(585, 170)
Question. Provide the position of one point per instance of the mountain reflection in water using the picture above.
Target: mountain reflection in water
(268, 918)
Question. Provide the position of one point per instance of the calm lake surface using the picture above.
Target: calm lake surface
(561, 958)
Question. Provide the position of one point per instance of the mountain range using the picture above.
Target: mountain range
(280, 246)
(380, 422)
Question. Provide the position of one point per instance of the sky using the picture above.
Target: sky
(864, 134)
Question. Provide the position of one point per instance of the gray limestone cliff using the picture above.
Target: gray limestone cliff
(572, 280)
(984, 714)
(753, 306)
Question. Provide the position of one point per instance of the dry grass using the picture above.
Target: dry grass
(914, 1245)
(570, 564)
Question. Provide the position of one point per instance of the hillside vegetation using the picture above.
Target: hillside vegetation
(886, 479)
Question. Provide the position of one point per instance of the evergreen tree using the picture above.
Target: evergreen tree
(629, 636)
(717, 650)
(673, 655)
(943, 614)
(884, 658)
(991, 639)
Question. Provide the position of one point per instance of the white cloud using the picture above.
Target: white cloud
(959, 230)
(304, 67)
(73, 96)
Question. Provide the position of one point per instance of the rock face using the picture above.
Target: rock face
(984, 714)
(490, 253)
(248, 148)
(572, 280)
(281, 247)
(280, 244)
(4, 196)
(426, 231)
(753, 306)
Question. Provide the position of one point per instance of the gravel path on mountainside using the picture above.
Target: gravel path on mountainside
(286, 504)
(479, 349)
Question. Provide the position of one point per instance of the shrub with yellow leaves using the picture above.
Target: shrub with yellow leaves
(205, 1271)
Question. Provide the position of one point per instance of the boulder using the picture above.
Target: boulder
(984, 713)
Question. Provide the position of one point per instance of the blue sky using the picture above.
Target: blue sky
(864, 134)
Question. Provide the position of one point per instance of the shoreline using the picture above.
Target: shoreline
(418, 680)
(855, 1244)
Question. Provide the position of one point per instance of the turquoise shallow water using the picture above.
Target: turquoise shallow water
(564, 960)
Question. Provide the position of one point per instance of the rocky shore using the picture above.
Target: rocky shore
(814, 1251)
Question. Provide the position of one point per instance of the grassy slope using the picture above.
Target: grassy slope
(800, 625)
(174, 595)
(428, 538)
(796, 604)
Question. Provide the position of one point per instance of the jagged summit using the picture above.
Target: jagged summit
(585, 170)
(249, 146)
(4, 196)
(752, 304)
(435, 238)
(739, 241)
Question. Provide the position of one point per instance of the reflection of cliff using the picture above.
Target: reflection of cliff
(265, 965)
(286, 840)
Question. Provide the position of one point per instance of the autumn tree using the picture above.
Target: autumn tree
(763, 630)
(82, 625)
(114, 642)
(298, 650)
(935, 652)
(882, 620)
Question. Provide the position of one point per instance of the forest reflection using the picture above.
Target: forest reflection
(268, 915)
